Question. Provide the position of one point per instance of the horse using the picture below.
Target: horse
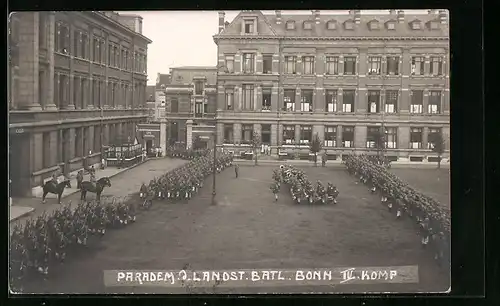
(97, 189)
(58, 189)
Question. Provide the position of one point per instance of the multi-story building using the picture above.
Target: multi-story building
(190, 105)
(342, 77)
(77, 83)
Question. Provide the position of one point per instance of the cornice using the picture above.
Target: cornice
(337, 38)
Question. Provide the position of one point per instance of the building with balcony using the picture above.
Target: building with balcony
(77, 84)
(342, 77)
(190, 105)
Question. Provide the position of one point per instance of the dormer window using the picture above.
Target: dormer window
(433, 25)
(373, 25)
(307, 25)
(349, 25)
(331, 25)
(416, 25)
(249, 26)
(391, 25)
(290, 25)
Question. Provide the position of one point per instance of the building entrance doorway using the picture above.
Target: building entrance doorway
(149, 146)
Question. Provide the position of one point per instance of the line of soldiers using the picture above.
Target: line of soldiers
(46, 241)
(301, 188)
(432, 219)
(183, 153)
(184, 182)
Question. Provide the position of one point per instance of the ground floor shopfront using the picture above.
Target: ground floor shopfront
(38, 150)
(408, 142)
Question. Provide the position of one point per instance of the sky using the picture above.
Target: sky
(185, 38)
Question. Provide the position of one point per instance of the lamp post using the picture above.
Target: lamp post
(215, 130)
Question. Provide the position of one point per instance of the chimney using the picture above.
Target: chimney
(221, 21)
(401, 16)
(356, 14)
(278, 17)
(443, 16)
(316, 16)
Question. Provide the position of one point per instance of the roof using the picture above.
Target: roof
(360, 30)
(195, 68)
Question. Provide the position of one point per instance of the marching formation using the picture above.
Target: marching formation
(301, 188)
(184, 182)
(432, 219)
(47, 240)
(183, 153)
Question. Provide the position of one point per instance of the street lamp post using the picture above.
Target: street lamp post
(215, 130)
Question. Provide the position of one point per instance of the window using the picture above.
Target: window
(289, 99)
(415, 138)
(330, 136)
(76, 91)
(290, 25)
(307, 25)
(229, 99)
(417, 65)
(46, 149)
(78, 142)
(174, 105)
(431, 137)
(228, 133)
(198, 87)
(289, 134)
(62, 38)
(95, 50)
(332, 65)
(306, 101)
(416, 25)
(436, 67)
(391, 134)
(391, 101)
(249, 26)
(290, 64)
(372, 133)
(266, 134)
(229, 63)
(305, 134)
(350, 65)
(373, 101)
(248, 95)
(205, 107)
(416, 101)
(267, 64)
(122, 59)
(347, 136)
(392, 65)
(103, 52)
(266, 99)
(111, 59)
(117, 58)
(85, 45)
(248, 62)
(348, 101)
(331, 25)
(308, 64)
(349, 25)
(198, 109)
(374, 25)
(246, 133)
(374, 65)
(331, 101)
(434, 102)
(391, 25)
(433, 25)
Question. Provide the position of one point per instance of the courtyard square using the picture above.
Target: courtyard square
(248, 230)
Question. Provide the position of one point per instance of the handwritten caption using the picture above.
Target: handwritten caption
(259, 278)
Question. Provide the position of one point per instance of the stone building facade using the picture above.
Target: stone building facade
(77, 83)
(342, 77)
(191, 105)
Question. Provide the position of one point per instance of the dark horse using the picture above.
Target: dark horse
(97, 188)
(58, 189)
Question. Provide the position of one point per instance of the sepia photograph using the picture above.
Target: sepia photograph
(229, 152)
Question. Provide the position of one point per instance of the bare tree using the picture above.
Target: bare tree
(437, 145)
(256, 143)
(314, 147)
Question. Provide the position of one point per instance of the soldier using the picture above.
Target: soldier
(236, 169)
(275, 189)
(324, 157)
(54, 179)
(79, 179)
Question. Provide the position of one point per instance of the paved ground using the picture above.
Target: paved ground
(122, 185)
(248, 230)
(433, 182)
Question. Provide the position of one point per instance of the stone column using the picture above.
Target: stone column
(28, 61)
(220, 133)
(280, 135)
(404, 100)
(237, 133)
(339, 136)
(340, 99)
(298, 65)
(259, 67)
(237, 98)
(320, 130)
(71, 143)
(427, 65)
(274, 135)
(297, 99)
(297, 134)
(403, 137)
(425, 101)
(274, 99)
(425, 137)
(221, 98)
(53, 145)
(360, 136)
(275, 63)
(360, 101)
(189, 133)
(163, 134)
(319, 101)
(38, 148)
(49, 74)
(258, 98)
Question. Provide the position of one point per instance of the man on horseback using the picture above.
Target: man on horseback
(92, 178)
(54, 179)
